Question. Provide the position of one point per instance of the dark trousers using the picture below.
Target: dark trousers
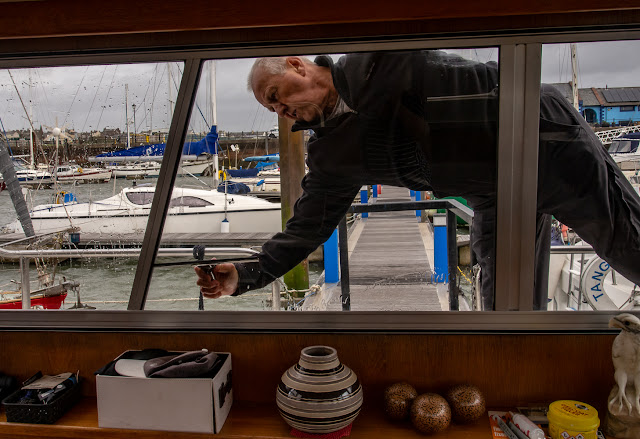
(579, 184)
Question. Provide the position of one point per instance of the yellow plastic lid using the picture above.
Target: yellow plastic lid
(573, 415)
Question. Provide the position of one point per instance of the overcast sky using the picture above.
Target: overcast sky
(92, 98)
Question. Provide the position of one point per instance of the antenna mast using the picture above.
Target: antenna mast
(126, 110)
(574, 76)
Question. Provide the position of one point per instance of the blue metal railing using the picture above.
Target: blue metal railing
(452, 207)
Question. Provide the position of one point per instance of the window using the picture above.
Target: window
(514, 181)
(621, 146)
(580, 280)
(95, 116)
(141, 198)
(189, 201)
(413, 142)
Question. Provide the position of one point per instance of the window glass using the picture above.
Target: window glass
(189, 201)
(374, 127)
(141, 198)
(58, 125)
(588, 176)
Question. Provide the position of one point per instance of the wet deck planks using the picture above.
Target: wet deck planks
(389, 266)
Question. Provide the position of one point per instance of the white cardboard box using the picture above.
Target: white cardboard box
(198, 405)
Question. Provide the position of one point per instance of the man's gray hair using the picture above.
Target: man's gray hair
(276, 65)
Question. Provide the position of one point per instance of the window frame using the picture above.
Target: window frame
(520, 57)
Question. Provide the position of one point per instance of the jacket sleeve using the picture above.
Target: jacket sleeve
(316, 214)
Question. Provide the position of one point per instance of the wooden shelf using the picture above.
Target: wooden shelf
(244, 421)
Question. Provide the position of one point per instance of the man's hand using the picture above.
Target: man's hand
(224, 281)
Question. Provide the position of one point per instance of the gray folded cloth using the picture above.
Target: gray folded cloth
(188, 364)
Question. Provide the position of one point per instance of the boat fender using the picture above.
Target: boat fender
(592, 284)
(224, 226)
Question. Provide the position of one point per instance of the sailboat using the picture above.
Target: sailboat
(49, 295)
(143, 161)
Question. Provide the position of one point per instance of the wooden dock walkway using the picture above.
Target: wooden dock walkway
(389, 264)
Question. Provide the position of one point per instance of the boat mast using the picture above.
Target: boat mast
(574, 76)
(214, 117)
(56, 134)
(170, 105)
(32, 163)
(126, 110)
(23, 106)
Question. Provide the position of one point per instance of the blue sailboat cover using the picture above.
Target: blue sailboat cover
(208, 145)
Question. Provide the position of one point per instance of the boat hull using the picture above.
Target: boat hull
(152, 169)
(193, 211)
(249, 221)
(46, 302)
(86, 177)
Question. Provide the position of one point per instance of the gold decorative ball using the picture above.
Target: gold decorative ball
(398, 398)
(430, 413)
(467, 403)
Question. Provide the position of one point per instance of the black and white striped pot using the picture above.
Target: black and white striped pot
(319, 394)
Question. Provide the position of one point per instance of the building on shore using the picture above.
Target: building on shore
(609, 106)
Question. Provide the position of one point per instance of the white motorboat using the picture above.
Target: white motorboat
(634, 179)
(76, 174)
(625, 152)
(191, 211)
(583, 282)
(34, 178)
(264, 181)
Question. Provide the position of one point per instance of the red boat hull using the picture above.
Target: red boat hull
(48, 302)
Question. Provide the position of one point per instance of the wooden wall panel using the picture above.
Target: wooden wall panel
(68, 17)
(12, 48)
(511, 369)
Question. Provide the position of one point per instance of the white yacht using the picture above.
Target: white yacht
(191, 211)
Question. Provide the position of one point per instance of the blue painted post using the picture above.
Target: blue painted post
(364, 199)
(374, 192)
(440, 255)
(412, 194)
(419, 212)
(331, 262)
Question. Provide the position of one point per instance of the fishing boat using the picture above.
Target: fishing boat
(190, 210)
(50, 297)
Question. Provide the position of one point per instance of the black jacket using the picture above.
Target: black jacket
(420, 119)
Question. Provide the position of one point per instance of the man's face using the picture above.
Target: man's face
(293, 94)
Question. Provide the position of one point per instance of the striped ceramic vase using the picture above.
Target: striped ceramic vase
(319, 394)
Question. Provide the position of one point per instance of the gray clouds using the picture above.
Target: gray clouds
(90, 98)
